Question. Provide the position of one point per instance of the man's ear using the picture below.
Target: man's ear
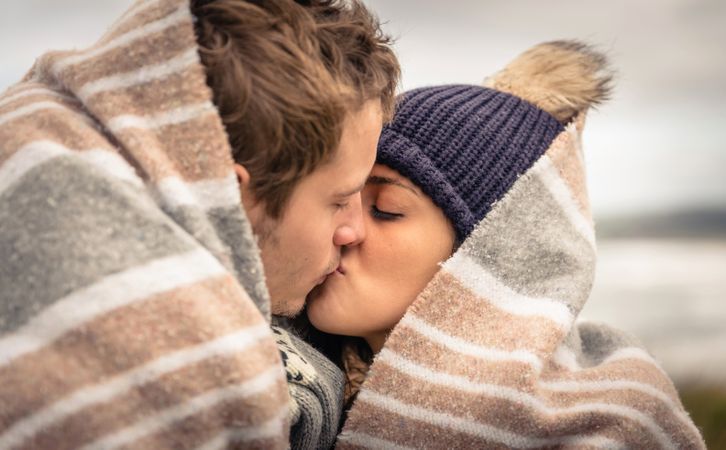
(249, 202)
(243, 176)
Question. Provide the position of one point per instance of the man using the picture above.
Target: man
(133, 307)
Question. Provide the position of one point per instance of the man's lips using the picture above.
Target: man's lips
(338, 270)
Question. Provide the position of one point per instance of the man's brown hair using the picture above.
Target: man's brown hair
(285, 75)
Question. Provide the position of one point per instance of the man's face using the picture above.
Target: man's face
(302, 248)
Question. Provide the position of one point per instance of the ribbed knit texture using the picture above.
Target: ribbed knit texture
(465, 146)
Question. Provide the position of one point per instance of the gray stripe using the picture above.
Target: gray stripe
(232, 226)
(598, 341)
(527, 242)
(226, 233)
(65, 225)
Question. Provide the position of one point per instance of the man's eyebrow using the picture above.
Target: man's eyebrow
(378, 180)
(351, 191)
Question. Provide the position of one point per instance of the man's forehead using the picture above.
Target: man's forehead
(351, 191)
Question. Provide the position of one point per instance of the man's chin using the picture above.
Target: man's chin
(288, 308)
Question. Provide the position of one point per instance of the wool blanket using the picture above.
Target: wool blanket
(491, 354)
(133, 309)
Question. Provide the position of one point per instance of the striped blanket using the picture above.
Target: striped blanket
(491, 356)
(133, 310)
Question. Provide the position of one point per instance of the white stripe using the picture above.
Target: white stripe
(516, 396)
(139, 76)
(83, 398)
(367, 441)
(634, 353)
(111, 163)
(36, 153)
(111, 292)
(172, 19)
(273, 428)
(477, 279)
(619, 385)
(148, 425)
(595, 441)
(29, 109)
(550, 177)
(34, 91)
(564, 357)
(207, 194)
(170, 117)
(467, 348)
(40, 106)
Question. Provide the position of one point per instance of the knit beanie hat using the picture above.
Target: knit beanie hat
(465, 146)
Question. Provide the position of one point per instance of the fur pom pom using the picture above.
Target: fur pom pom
(562, 77)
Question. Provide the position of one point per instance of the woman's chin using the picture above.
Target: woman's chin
(324, 310)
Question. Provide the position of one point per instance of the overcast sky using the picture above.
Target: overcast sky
(659, 144)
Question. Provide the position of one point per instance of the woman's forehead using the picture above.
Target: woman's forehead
(382, 175)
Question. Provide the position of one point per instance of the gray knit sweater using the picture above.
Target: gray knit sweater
(316, 392)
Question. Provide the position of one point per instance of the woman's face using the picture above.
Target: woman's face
(407, 236)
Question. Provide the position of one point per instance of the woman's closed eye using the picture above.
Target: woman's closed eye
(384, 215)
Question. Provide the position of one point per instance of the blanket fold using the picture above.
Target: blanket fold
(133, 308)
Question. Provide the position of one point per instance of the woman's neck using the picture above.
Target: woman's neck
(376, 340)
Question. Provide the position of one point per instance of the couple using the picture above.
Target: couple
(453, 320)
(135, 309)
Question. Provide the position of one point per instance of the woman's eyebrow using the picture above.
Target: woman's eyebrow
(378, 180)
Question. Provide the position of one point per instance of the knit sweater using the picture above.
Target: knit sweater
(316, 392)
(491, 354)
(133, 309)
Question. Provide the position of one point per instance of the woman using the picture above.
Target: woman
(479, 256)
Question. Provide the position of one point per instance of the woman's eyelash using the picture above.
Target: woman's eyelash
(342, 205)
(384, 215)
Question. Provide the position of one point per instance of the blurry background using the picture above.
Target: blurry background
(656, 152)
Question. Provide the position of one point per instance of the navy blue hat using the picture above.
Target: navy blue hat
(465, 146)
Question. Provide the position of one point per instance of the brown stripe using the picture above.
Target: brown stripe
(174, 390)
(142, 17)
(415, 347)
(49, 124)
(503, 414)
(659, 411)
(156, 48)
(628, 369)
(389, 426)
(46, 95)
(120, 340)
(199, 151)
(474, 319)
(150, 98)
(564, 154)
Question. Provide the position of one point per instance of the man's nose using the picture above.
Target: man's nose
(352, 231)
